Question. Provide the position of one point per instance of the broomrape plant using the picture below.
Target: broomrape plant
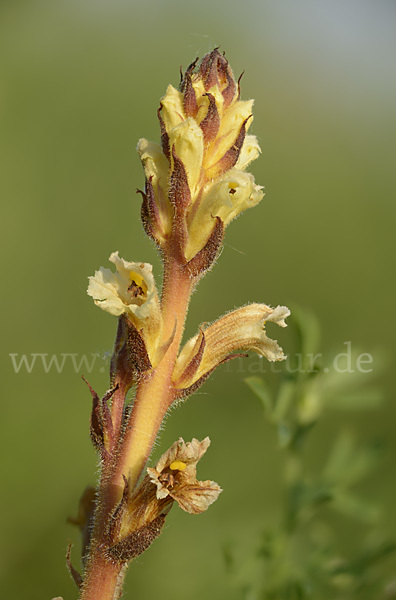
(195, 184)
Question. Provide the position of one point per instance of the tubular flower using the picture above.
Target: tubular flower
(130, 291)
(140, 516)
(242, 329)
(195, 181)
(175, 476)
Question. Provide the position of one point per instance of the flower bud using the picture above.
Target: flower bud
(215, 70)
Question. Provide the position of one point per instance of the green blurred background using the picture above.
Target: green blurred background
(80, 82)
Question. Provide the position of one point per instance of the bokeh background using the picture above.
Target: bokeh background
(80, 82)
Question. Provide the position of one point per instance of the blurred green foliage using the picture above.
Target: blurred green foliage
(80, 82)
(301, 557)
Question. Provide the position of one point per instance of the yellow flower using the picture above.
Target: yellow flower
(196, 184)
(175, 476)
(131, 291)
(226, 198)
(140, 516)
(187, 141)
(156, 169)
(242, 329)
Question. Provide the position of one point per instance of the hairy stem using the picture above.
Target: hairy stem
(153, 395)
(103, 578)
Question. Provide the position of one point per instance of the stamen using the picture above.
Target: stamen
(138, 286)
(177, 465)
(232, 187)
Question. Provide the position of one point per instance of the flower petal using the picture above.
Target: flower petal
(187, 452)
(226, 198)
(197, 498)
(172, 108)
(187, 140)
(131, 290)
(249, 152)
(231, 123)
(104, 288)
(156, 169)
(175, 476)
(241, 329)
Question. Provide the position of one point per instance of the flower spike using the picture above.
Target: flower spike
(196, 183)
(205, 149)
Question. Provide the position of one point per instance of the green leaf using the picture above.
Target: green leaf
(283, 400)
(228, 556)
(366, 559)
(300, 433)
(364, 400)
(261, 391)
(347, 464)
(285, 434)
(315, 495)
(353, 506)
(308, 330)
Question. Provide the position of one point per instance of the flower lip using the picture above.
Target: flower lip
(175, 475)
(131, 291)
(128, 290)
(242, 329)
